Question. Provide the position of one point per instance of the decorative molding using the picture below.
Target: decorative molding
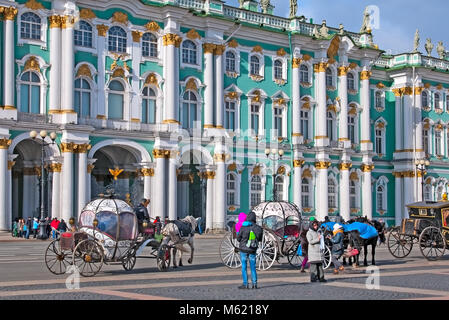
(257, 49)
(152, 26)
(5, 143)
(9, 13)
(137, 35)
(171, 39)
(120, 17)
(193, 34)
(232, 167)
(151, 80)
(102, 30)
(296, 62)
(298, 163)
(118, 73)
(82, 148)
(281, 170)
(146, 172)
(320, 67)
(365, 75)
(281, 52)
(367, 167)
(84, 70)
(344, 166)
(232, 95)
(67, 22)
(233, 44)
(220, 157)
(209, 48)
(191, 85)
(87, 14)
(322, 164)
(55, 21)
(32, 64)
(219, 49)
(342, 71)
(161, 153)
(256, 170)
(380, 85)
(34, 5)
(55, 167)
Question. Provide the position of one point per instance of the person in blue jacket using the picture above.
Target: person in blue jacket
(337, 247)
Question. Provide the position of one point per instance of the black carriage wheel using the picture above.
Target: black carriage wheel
(432, 243)
(130, 260)
(88, 257)
(163, 258)
(294, 258)
(56, 259)
(229, 253)
(399, 245)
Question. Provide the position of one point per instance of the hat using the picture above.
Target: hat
(337, 227)
(312, 219)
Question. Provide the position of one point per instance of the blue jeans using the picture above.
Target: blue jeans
(252, 265)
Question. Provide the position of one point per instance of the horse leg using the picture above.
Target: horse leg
(190, 242)
(373, 252)
(174, 251)
(365, 249)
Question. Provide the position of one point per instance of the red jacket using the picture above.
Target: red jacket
(55, 224)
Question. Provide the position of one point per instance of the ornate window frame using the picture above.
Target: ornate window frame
(382, 182)
(258, 169)
(237, 183)
(381, 107)
(154, 81)
(308, 173)
(332, 177)
(354, 177)
(333, 75)
(438, 106)
(355, 90)
(309, 66)
(257, 99)
(280, 100)
(284, 64)
(41, 13)
(261, 75)
(128, 51)
(127, 92)
(233, 94)
(236, 72)
(380, 125)
(93, 49)
(199, 55)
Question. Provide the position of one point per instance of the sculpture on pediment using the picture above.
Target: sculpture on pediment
(366, 22)
(429, 46)
(416, 41)
(264, 4)
(315, 32)
(342, 29)
(241, 3)
(324, 30)
(441, 50)
(293, 8)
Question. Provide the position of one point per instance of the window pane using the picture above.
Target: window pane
(85, 111)
(24, 98)
(151, 111)
(77, 102)
(115, 106)
(35, 99)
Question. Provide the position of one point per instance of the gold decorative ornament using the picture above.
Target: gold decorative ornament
(332, 108)
(333, 47)
(233, 44)
(258, 49)
(209, 175)
(116, 172)
(281, 170)
(232, 95)
(408, 91)
(354, 176)
(9, 13)
(209, 48)
(32, 64)
(67, 22)
(171, 39)
(232, 167)
(367, 167)
(219, 49)
(137, 35)
(86, 13)
(320, 67)
(322, 164)
(5, 143)
(161, 153)
(256, 170)
(365, 75)
(34, 5)
(298, 163)
(307, 174)
(380, 125)
(439, 86)
(193, 34)
(220, 157)
(279, 102)
(84, 71)
(306, 57)
(90, 168)
(147, 172)
(151, 80)
(101, 117)
(118, 73)
(306, 105)
(342, 71)
(380, 85)
(152, 26)
(120, 17)
(353, 65)
(170, 121)
(232, 209)
(418, 91)
(82, 148)
(281, 52)
(68, 147)
(11, 164)
(55, 21)
(427, 85)
(102, 30)
(191, 85)
(296, 62)
(55, 167)
(344, 166)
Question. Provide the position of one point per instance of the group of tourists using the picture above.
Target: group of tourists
(24, 228)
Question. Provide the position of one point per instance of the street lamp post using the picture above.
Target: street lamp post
(421, 167)
(42, 225)
(274, 155)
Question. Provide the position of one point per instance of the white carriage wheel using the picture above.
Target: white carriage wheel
(88, 257)
(267, 252)
(229, 253)
(326, 254)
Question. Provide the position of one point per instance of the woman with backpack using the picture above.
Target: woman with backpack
(249, 236)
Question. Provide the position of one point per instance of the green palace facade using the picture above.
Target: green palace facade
(209, 109)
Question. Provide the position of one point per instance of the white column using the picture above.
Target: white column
(68, 66)
(418, 121)
(147, 174)
(343, 94)
(408, 196)
(398, 200)
(160, 182)
(210, 201)
(82, 178)
(101, 61)
(56, 169)
(209, 83)
(4, 185)
(398, 119)
(296, 103)
(136, 108)
(297, 182)
(9, 15)
(171, 98)
(15, 194)
(408, 125)
(345, 205)
(365, 99)
(172, 190)
(55, 58)
(321, 138)
(67, 182)
(367, 196)
(219, 86)
(321, 195)
(220, 193)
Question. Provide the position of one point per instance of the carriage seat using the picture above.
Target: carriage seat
(288, 231)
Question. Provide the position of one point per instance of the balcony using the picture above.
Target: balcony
(34, 117)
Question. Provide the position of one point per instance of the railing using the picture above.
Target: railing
(34, 117)
(435, 63)
(194, 4)
(430, 62)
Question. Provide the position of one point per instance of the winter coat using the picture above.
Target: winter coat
(337, 244)
(62, 227)
(314, 253)
(243, 235)
(303, 236)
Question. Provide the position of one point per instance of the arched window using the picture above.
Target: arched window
(30, 26)
(30, 93)
(437, 101)
(255, 65)
(116, 99)
(304, 74)
(255, 116)
(230, 115)
(149, 45)
(332, 195)
(278, 121)
(84, 35)
(353, 194)
(278, 70)
(279, 188)
(82, 97)
(378, 100)
(426, 144)
(428, 192)
(189, 110)
(304, 117)
(117, 40)
(329, 78)
(351, 128)
(351, 81)
(230, 190)
(380, 198)
(439, 193)
(305, 193)
(148, 105)
(425, 99)
(256, 190)
(230, 61)
(330, 126)
(189, 52)
(379, 140)
(438, 142)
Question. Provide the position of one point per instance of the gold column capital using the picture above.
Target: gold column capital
(102, 30)
(322, 164)
(68, 147)
(365, 75)
(82, 148)
(55, 21)
(161, 153)
(207, 175)
(55, 167)
(9, 13)
(90, 168)
(298, 163)
(5, 143)
(367, 167)
(344, 166)
(11, 164)
(220, 157)
(418, 90)
(219, 49)
(320, 67)
(171, 39)
(209, 47)
(296, 62)
(67, 22)
(342, 71)
(137, 35)
(147, 172)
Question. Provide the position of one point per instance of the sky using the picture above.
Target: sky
(398, 19)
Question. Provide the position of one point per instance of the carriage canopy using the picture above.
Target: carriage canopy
(116, 218)
(277, 215)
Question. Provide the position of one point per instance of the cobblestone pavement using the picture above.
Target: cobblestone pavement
(23, 275)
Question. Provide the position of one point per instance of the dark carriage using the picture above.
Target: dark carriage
(107, 233)
(427, 226)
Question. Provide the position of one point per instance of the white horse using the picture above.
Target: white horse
(173, 237)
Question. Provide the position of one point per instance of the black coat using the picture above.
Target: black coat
(244, 232)
(141, 213)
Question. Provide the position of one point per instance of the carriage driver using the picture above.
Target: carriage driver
(141, 212)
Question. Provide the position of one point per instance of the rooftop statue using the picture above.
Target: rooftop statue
(366, 22)
(293, 8)
(264, 5)
(316, 34)
(342, 30)
(324, 30)
(441, 50)
(429, 46)
(416, 41)
(241, 3)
